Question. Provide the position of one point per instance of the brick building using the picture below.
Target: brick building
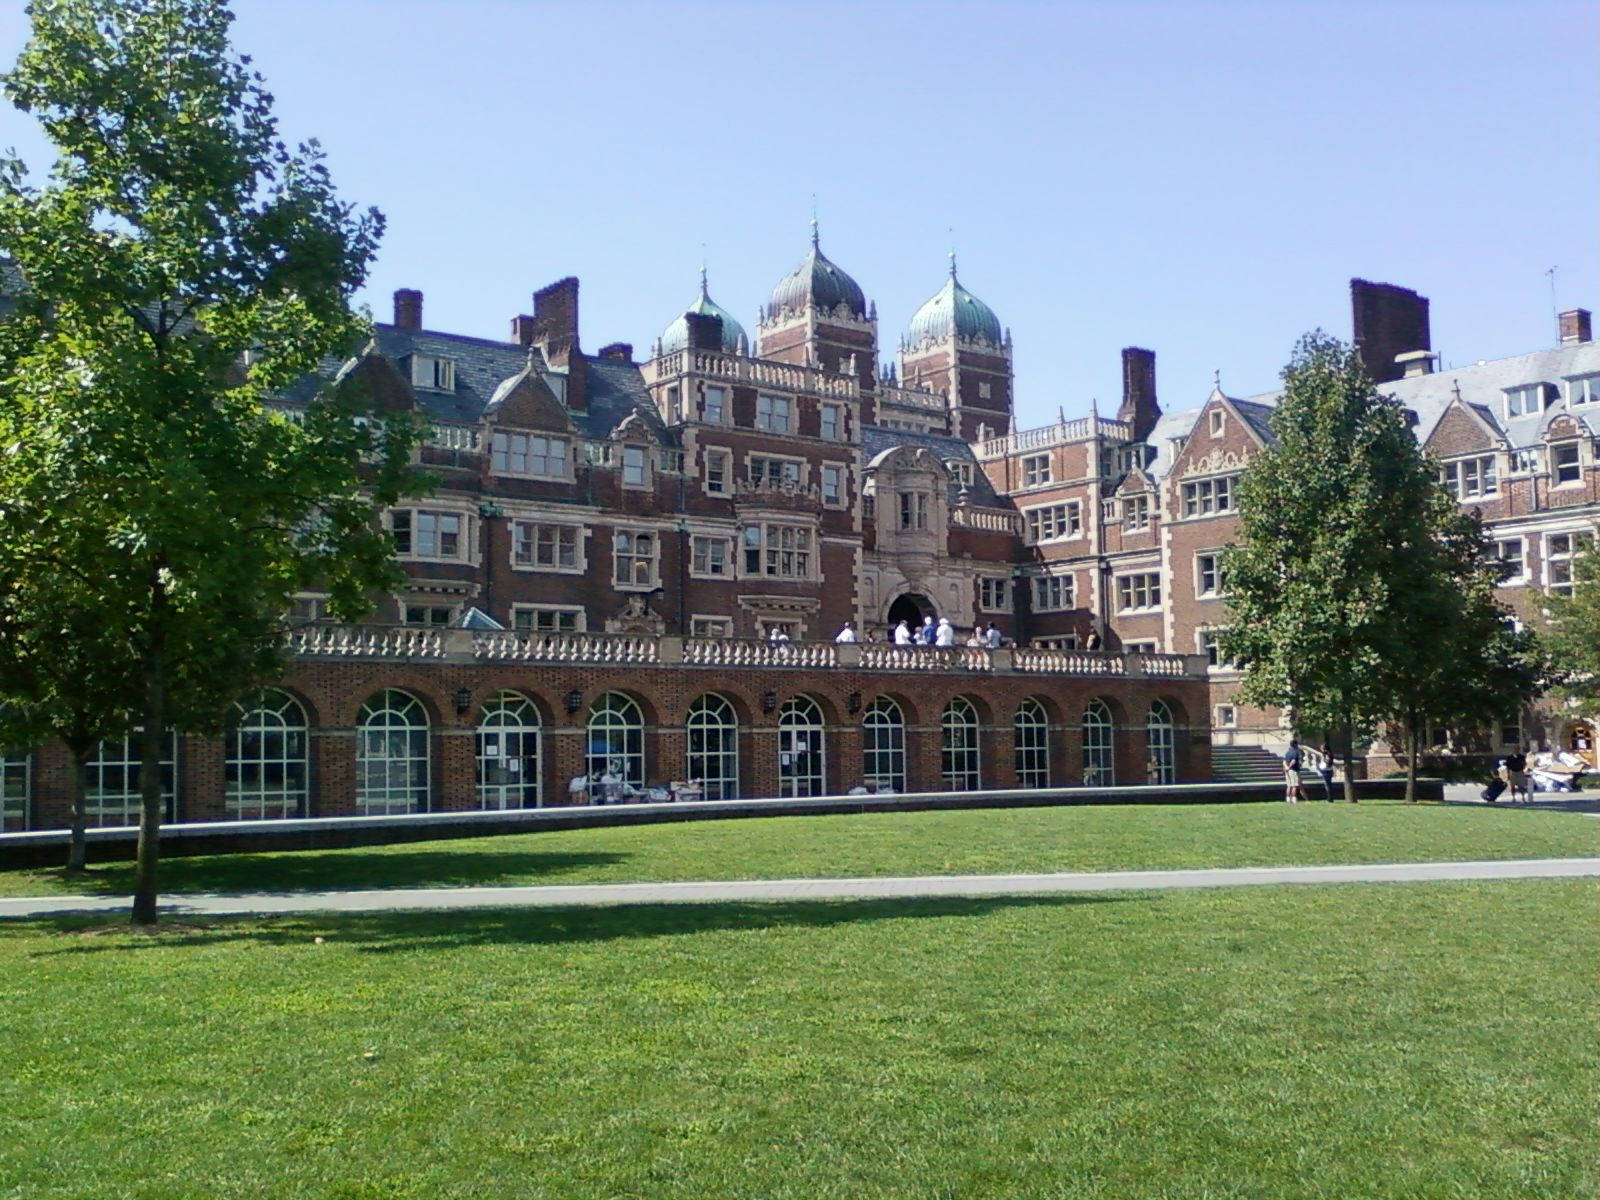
(595, 584)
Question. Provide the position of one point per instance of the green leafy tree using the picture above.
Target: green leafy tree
(1358, 593)
(1573, 628)
(180, 266)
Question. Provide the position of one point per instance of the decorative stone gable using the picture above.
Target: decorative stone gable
(1462, 430)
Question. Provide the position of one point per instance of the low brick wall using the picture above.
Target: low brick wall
(48, 847)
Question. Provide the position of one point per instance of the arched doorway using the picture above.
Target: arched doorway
(910, 608)
(1580, 740)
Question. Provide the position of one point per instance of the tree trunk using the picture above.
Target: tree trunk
(78, 846)
(1413, 742)
(151, 739)
(1349, 761)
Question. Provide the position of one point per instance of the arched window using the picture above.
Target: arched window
(1031, 738)
(1097, 757)
(958, 746)
(508, 753)
(265, 773)
(883, 746)
(616, 740)
(800, 748)
(713, 734)
(392, 755)
(111, 781)
(14, 779)
(1159, 744)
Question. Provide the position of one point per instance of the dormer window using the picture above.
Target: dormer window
(432, 372)
(1520, 401)
(633, 466)
(1584, 390)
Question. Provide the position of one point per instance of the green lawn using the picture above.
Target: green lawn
(1406, 1041)
(969, 842)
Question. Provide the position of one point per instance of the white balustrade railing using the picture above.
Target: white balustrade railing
(743, 652)
(916, 398)
(1067, 662)
(997, 520)
(649, 650)
(759, 371)
(366, 641)
(1059, 434)
(456, 437)
(568, 647)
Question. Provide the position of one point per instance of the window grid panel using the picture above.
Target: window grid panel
(392, 759)
(713, 736)
(883, 746)
(958, 747)
(15, 781)
(1031, 739)
(111, 781)
(265, 776)
(1098, 762)
(801, 748)
(1159, 744)
(508, 760)
(616, 739)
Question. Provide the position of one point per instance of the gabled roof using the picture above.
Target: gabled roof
(875, 440)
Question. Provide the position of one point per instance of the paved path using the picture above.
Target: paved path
(556, 895)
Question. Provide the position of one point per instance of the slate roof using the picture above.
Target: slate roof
(876, 439)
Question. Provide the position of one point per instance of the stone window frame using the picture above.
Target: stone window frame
(725, 409)
(1557, 449)
(712, 538)
(1471, 476)
(625, 465)
(798, 477)
(1218, 423)
(842, 500)
(465, 539)
(763, 549)
(1217, 590)
(838, 411)
(1070, 519)
(1574, 541)
(580, 537)
(579, 625)
(726, 455)
(698, 623)
(1523, 576)
(1035, 475)
(1065, 586)
(1212, 496)
(1148, 591)
(994, 594)
(1137, 512)
(618, 554)
(552, 442)
(767, 413)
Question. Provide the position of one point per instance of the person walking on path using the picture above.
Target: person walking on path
(1325, 769)
(1293, 761)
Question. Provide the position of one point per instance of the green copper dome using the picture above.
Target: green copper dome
(953, 307)
(676, 335)
(818, 282)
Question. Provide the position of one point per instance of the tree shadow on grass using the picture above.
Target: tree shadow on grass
(416, 932)
(336, 870)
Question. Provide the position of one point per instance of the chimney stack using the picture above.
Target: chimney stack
(1139, 408)
(1416, 362)
(408, 309)
(1386, 322)
(1574, 326)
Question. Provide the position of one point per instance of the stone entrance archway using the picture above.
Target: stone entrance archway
(910, 608)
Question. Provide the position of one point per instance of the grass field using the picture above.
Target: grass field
(1406, 1041)
(969, 842)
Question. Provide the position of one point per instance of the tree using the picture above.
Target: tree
(1357, 591)
(180, 266)
(1573, 626)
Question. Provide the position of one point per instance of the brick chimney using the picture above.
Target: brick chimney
(1574, 326)
(1386, 322)
(555, 312)
(1416, 362)
(408, 309)
(618, 352)
(1139, 408)
(705, 332)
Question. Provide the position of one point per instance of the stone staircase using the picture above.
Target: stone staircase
(1245, 764)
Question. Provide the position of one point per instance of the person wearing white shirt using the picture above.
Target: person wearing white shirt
(994, 637)
(902, 634)
(777, 636)
(847, 634)
(945, 634)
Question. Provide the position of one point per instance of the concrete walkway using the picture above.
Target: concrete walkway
(919, 887)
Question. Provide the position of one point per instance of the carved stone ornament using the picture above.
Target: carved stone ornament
(1217, 461)
(635, 617)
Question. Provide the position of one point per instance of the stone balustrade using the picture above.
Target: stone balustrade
(996, 520)
(759, 371)
(1059, 434)
(467, 645)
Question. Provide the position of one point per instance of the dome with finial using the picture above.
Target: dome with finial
(676, 335)
(816, 281)
(953, 308)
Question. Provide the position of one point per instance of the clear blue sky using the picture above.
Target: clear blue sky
(1199, 178)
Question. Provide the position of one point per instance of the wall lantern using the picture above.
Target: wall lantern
(769, 701)
(855, 702)
(463, 701)
(574, 700)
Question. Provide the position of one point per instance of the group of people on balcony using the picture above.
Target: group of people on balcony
(930, 633)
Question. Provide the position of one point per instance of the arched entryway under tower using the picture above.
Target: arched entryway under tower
(910, 607)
